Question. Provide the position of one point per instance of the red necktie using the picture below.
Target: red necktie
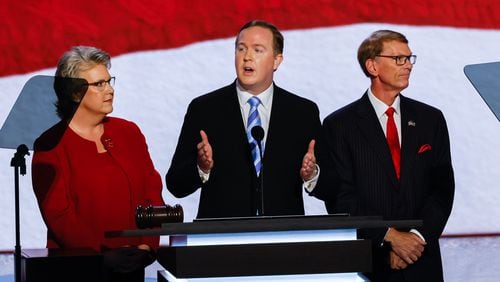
(393, 140)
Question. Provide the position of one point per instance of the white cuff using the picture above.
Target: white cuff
(415, 231)
(203, 176)
(383, 239)
(310, 184)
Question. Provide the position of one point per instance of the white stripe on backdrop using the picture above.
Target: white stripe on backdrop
(154, 88)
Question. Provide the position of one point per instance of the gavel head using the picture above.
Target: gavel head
(154, 216)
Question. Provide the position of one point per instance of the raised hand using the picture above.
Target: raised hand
(308, 169)
(205, 160)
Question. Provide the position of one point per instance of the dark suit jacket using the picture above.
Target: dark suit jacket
(230, 190)
(362, 181)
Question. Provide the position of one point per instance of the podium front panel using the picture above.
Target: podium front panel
(267, 259)
(263, 237)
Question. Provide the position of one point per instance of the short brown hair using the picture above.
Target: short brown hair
(278, 40)
(372, 46)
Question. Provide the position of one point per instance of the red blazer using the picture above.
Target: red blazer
(82, 193)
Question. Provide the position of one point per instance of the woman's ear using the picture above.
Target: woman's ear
(76, 97)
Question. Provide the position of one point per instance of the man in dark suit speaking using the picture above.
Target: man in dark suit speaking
(249, 146)
(391, 157)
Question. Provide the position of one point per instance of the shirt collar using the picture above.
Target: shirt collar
(380, 107)
(264, 96)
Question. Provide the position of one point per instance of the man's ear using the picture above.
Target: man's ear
(371, 67)
(277, 61)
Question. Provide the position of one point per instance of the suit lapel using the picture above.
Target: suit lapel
(372, 131)
(409, 136)
(274, 121)
(234, 120)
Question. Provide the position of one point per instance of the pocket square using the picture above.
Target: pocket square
(424, 148)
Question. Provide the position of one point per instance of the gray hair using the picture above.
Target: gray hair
(69, 88)
(81, 58)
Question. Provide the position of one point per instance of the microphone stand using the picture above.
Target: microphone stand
(19, 164)
(260, 192)
(258, 134)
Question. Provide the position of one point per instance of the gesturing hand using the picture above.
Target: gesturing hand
(205, 160)
(308, 169)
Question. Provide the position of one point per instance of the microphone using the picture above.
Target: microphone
(258, 134)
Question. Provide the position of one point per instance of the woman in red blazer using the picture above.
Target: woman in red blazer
(90, 171)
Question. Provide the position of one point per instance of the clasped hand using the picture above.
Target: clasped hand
(407, 248)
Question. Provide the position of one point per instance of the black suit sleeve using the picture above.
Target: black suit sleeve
(329, 182)
(337, 177)
(182, 178)
(437, 206)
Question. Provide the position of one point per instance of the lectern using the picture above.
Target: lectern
(298, 248)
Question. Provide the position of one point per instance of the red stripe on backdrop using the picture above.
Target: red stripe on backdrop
(33, 34)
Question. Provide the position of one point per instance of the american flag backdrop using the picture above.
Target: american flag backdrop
(166, 52)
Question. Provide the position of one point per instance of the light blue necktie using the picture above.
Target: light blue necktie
(254, 120)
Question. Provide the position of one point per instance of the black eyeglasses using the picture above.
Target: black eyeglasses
(101, 84)
(401, 60)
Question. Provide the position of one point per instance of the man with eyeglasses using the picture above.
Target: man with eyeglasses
(389, 156)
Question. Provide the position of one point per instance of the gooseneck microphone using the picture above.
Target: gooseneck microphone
(258, 134)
